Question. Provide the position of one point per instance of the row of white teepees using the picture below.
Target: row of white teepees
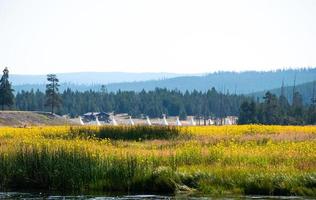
(163, 122)
(178, 122)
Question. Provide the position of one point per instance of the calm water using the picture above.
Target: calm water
(39, 196)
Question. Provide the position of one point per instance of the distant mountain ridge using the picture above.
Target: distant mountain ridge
(239, 82)
(232, 82)
(90, 78)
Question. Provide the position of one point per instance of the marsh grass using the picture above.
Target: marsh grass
(136, 133)
(160, 159)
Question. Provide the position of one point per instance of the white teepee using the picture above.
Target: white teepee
(148, 122)
(113, 122)
(130, 121)
(211, 122)
(97, 122)
(178, 123)
(80, 121)
(192, 122)
(164, 121)
(228, 121)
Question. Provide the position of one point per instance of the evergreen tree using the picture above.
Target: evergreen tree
(182, 114)
(271, 109)
(52, 95)
(284, 108)
(6, 92)
(297, 109)
(311, 115)
(247, 113)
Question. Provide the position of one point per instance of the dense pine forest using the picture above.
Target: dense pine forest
(151, 103)
(271, 110)
(278, 111)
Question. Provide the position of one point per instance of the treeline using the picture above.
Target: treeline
(152, 103)
(277, 110)
(209, 104)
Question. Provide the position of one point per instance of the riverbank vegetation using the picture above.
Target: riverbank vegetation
(249, 159)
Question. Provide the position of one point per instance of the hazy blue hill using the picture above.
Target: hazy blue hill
(89, 78)
(243, 82)
(63, 86)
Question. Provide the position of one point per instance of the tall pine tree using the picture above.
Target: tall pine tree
(6, 92)
(52, 94)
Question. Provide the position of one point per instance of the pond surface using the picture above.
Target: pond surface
(40, 196)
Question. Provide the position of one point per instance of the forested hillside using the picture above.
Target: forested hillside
(234, 82)
(240, 83)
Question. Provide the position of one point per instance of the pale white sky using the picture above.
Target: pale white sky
(186, 36)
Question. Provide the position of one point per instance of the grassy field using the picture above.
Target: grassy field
(252, 159)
